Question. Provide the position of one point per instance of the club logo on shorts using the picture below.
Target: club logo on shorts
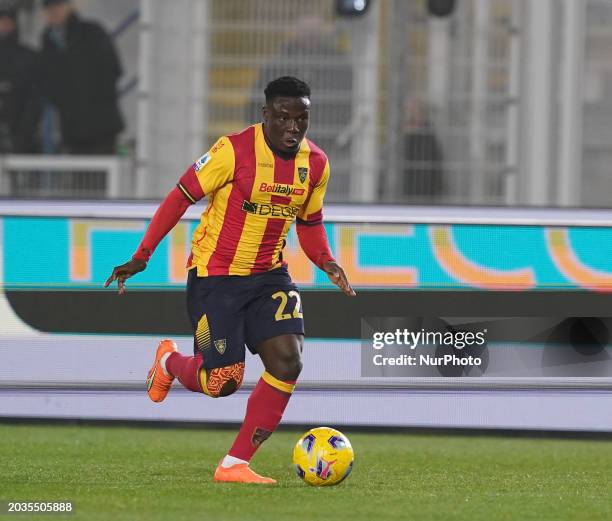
(259, 436)
(220, 345)
(302, 173)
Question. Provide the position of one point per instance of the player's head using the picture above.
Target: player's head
(57, 11)
(286, 113)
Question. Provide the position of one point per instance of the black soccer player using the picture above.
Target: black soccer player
(239, 292)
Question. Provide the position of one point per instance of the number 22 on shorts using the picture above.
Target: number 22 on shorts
(284, 297)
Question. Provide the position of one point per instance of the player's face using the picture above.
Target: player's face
(286, 123)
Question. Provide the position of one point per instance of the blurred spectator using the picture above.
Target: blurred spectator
(422, 173)
(81, 69)
(20, 105)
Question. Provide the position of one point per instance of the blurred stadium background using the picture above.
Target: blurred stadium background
(516, 94)
(470, 158)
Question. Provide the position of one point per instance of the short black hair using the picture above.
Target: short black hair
(286, 86)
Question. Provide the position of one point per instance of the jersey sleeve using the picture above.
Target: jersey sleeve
(314, 243)
(311, 212)
(209, 173)
(166, 217)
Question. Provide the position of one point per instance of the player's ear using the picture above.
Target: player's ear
(264, 113)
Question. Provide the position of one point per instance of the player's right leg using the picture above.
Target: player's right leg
(216, 382)
(170, 364)
(214, 307)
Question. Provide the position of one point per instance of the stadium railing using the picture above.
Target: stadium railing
(111, 166)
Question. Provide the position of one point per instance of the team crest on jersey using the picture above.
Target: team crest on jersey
(221, 345)
(201, 163)
(302, 173)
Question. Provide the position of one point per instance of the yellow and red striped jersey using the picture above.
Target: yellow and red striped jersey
(254, 197)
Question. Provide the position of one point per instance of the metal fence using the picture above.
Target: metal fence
(255, 42)
(399, 100)
(84, 177)
(446, 102)
(504, 102)
(596, 179)
(409, 108)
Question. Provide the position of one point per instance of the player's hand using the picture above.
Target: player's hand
(124, 272)
(338, 277)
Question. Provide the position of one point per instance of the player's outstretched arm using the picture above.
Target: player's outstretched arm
(315, 245)
(167, 215)
(124, 272)
(313, 238)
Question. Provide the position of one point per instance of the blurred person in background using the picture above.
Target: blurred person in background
(80, 72)
(20, 105)
(422, 170)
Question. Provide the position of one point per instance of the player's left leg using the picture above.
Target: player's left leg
(274, 329)
(281, 357)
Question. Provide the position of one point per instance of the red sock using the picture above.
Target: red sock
(264, 411)
(186, 369)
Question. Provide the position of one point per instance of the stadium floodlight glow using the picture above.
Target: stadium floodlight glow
(352, 7)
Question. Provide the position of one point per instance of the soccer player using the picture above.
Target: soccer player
(239, 291)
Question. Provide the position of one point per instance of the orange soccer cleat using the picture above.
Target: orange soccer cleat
(241, 473)
(158, 383)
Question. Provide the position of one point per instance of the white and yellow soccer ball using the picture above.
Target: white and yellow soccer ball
(323, 457)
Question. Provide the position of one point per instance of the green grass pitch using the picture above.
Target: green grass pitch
(123, 473)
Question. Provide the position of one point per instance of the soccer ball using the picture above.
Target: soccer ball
(323, 457)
